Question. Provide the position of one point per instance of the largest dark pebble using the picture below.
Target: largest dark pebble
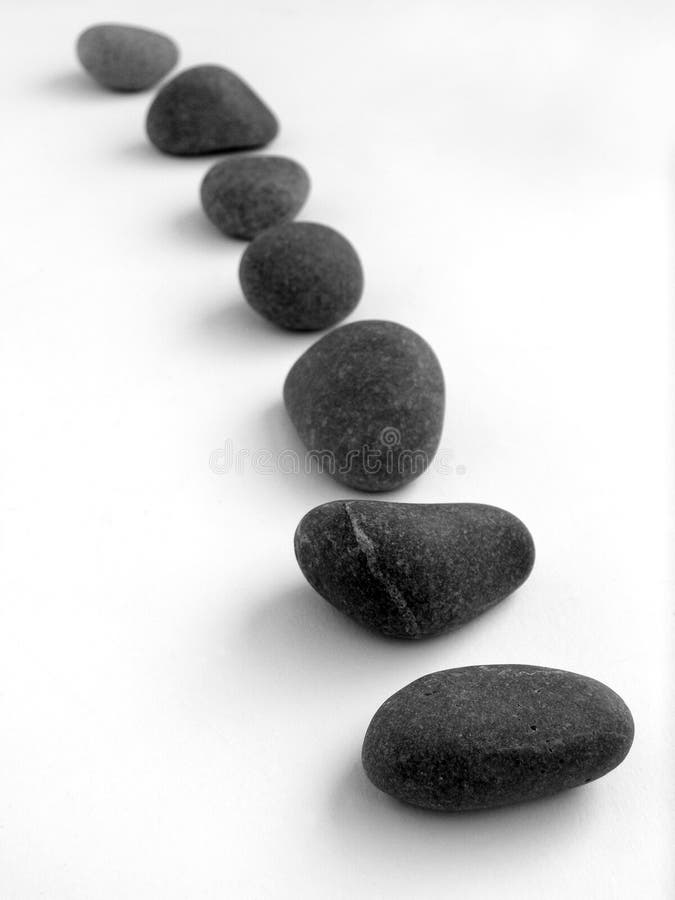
(368, 401)
(208, 109)
(126, 58)
(410, 570)
(485, 736)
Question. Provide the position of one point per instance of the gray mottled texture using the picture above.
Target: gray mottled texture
(244, 195)
(410, 570)
(302, 276)
(368, 401)
(208, 109)
(126, 58)
(485, 736)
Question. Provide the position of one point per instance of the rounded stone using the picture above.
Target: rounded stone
(411, 570)
(368, 402)
(126, 58)
(244, 195)
(301, 276)
(208, 109)
(487, 736)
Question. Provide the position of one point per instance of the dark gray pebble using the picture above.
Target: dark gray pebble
(244, 195)
(410, 570)
(485, 736)
(368, 401)
(208, 109)
(126, 58)
(302, 276)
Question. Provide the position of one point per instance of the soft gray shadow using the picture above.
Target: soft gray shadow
(359, 815)
(300, 634)
(297, 473)
(228, 322)
(77, 84)
(291, 478)
(296, 635)
(231, 320)
(142, 151)
(194, 227)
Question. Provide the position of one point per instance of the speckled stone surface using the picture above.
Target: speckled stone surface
(126, 58)
(302, 276)
(244, 195)
(410, 570)
(208, 109)
(485, 736)
(368, 401)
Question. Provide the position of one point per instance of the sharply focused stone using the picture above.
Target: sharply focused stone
(244, 195)
(125, 58)
(485, 736)
(410, 570)
(208, 109)
(302, 276)
(368, 401)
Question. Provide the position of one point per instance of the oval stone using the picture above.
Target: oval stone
(411, 570)
(302, 276)
(208, 109)
(244, 195)
(126, 58)
(368, 401)
(485, 736)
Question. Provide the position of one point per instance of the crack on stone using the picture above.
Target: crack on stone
(367, 547)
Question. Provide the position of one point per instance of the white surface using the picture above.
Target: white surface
(181, 715)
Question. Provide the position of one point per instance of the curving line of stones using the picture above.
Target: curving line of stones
(369, 399)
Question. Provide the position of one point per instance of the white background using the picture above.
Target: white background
(181, 715)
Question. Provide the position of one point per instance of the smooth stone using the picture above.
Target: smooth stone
(208, 109)
(126, 58)
(411, 570)
(244, 195)
(301, 276)
(368, 401)
(486, 736)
